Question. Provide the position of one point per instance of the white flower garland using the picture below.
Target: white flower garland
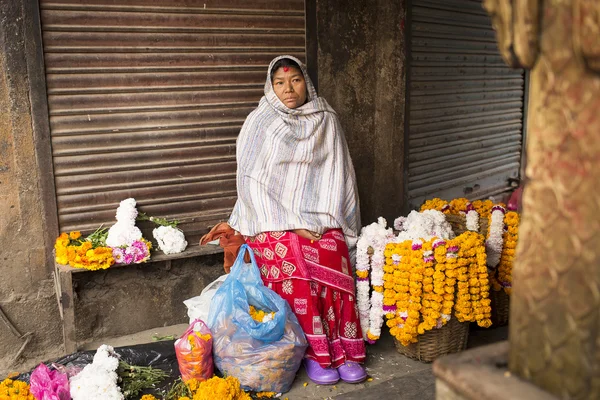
(124, 232)
(495, 242)
(170, 240)
(373, 239)
(473, 220)
(417, 226)
(98, 380)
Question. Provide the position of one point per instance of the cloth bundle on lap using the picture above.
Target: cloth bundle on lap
(229, 240)
(264, 356)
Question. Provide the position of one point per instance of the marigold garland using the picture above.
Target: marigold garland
(502, 234)
(511, 236)
(462, 305)
(430, 311)
(449, 252)
(428, 280)
(370, 266)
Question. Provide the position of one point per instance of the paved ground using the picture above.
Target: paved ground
(393, 376)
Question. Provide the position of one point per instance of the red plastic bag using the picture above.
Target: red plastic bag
(194, 352)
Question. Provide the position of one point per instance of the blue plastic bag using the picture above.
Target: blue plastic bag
(264, 356)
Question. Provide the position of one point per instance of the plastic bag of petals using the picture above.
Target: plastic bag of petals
(194, 352)
(257, 338)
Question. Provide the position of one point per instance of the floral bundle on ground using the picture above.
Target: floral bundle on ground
(15, 390)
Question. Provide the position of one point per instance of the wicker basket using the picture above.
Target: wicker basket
(500, 307)
(451, 338)
(459, 224)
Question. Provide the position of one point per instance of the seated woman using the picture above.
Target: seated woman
(298, 209)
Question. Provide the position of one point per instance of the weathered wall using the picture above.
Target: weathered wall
(361, 73)
(136, 298)
(108, 303)
(361, 69)
(26, 289)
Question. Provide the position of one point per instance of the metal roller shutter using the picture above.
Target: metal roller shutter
(147, 97)
(465, 107)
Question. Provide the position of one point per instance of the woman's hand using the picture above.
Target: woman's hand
(306, 234)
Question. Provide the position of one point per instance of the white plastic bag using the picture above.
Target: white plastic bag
(199, 306)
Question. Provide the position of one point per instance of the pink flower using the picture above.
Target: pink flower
(49, 385)
(141, 246)
(127, 258)
(118, 255)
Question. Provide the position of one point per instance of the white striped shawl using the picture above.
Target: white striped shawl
(293, 168)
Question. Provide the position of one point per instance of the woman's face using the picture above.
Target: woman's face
(290, 86)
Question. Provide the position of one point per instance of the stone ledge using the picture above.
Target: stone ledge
(157, 256)
(482, 373)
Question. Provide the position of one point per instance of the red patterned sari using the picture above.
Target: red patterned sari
(315, 278)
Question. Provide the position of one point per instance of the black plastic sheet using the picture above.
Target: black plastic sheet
(157, 355)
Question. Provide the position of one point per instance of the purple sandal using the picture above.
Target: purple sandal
(352, 372)
(320, 375)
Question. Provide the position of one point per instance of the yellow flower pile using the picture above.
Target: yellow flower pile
(192, 340)
(148, 397)
(458, 206)
(216, 388)
(79, 253)
(436, 204)
(14, 390)
(429, 281)
(259, 315)
(483, 208)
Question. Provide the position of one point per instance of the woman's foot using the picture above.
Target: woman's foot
(320, 375)
(352, 372)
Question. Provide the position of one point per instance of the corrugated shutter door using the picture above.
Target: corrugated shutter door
(465, 105)
(147, 97)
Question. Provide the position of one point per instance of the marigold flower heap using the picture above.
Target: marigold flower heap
(15, 390)
(216, 388)
(260, 315)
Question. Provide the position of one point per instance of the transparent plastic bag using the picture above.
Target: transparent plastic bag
(199, 306)
(194, 352)
(264, 356)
